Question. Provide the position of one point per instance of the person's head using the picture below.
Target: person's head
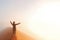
(13, 22)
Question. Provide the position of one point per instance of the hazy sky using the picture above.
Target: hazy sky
(42, 17)
(16, 9)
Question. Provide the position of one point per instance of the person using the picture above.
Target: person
(14, 26)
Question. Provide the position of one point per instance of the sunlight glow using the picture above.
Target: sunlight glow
(45, 22)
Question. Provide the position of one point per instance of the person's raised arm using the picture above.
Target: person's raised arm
(18, 23)
(11, 22)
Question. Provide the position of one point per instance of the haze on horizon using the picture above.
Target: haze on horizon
(41, 17)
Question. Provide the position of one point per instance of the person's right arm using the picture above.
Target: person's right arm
(11, 22)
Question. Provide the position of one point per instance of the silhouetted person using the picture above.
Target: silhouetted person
(14, 26)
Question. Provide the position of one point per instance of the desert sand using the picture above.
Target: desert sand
(7, 34)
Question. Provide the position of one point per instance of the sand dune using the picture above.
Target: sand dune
(7, 34)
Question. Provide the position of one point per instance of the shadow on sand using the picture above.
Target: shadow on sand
(7, 34)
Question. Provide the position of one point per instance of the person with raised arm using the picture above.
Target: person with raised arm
(14, 26)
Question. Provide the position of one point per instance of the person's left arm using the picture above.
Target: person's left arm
(18, 23)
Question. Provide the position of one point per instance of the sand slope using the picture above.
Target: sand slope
(8, 35)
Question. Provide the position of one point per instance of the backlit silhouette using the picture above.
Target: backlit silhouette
(14, 26)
